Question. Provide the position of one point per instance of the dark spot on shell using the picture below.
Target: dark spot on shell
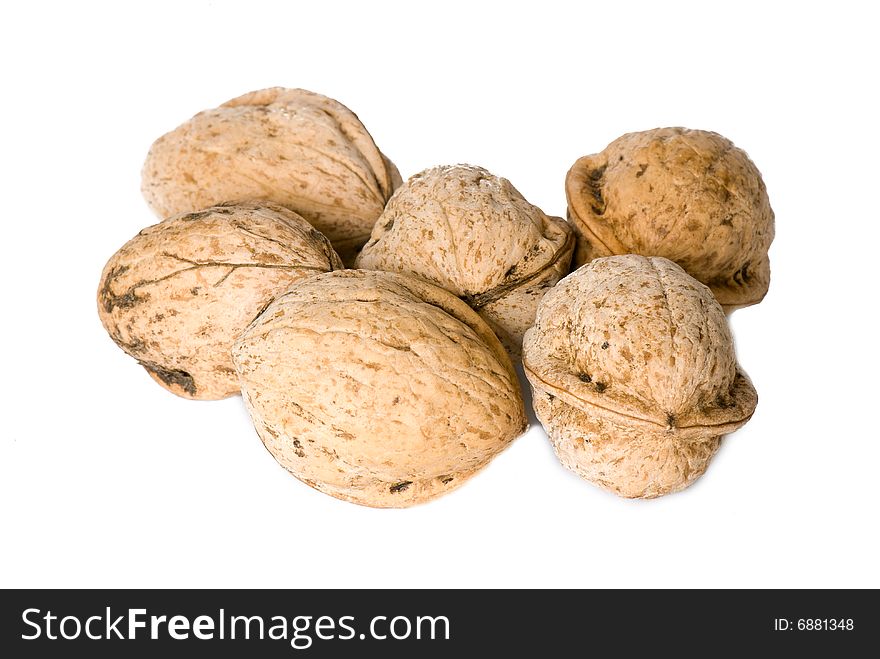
(128, 299)
(601, 387)
(594, 189)
(641, 171)
(724, 403)
(742, 276)
(131, 347)
(266, 306)
(172, 377)
(399, 487)
(446, 479)
(584, 377)
(198, 215)
(604, 345)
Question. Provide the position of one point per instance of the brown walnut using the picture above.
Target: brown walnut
(475, 235)
(687, 195)
(290, 146)
(378, 388)
(177, 295)
(634, 375)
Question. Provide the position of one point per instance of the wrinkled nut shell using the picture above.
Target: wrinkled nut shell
(378, 388)
(688, 195)
(475, 235)
(634, 375)
(290, 146)
(177, 295)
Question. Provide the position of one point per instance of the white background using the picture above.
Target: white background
(108, 480)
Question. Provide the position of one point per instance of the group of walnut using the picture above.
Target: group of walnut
(370, 323)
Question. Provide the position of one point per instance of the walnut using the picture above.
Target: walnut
(378, 388)
(294, 147)
(177, 295)
(688, 195)
(475, 235)
(634, 375)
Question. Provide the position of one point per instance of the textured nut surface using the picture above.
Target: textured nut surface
(688, 195)
(634, 375)
(378, 388)
(475, 235)
(294, 147)
(177, 295)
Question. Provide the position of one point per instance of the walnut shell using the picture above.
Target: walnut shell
(294, 147)
(475, 235)
(634, 375)
(688, 195)
(177, 295)
(378, 388)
